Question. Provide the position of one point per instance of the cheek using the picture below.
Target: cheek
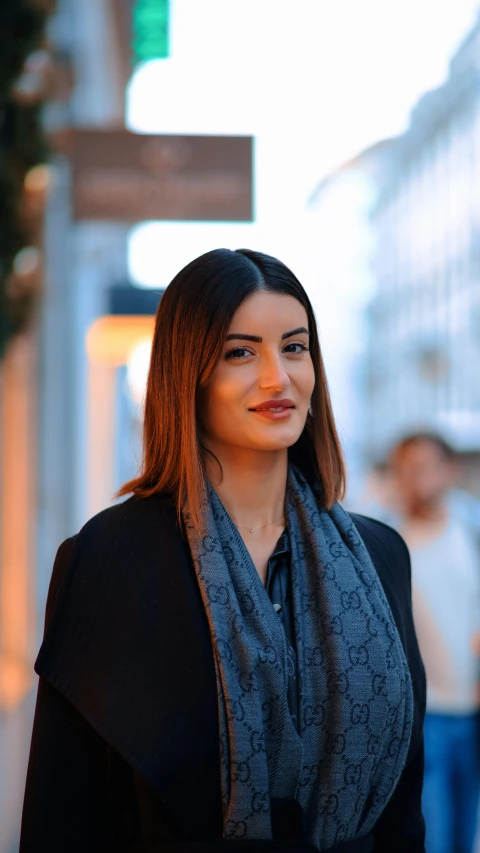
(229, 385)
(216, 404)
(219, 395)
(307, 381)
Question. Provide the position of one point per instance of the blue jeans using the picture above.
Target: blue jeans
(452, 782)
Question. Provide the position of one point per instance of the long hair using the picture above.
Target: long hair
(192, 322)
(421, 437)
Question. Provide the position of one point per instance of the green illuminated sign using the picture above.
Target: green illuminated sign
(150, 30)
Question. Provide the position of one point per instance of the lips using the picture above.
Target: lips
(273, 405)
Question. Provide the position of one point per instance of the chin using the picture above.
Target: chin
(279, 442)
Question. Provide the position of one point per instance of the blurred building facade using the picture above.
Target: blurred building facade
(424, 320)
(341, 206)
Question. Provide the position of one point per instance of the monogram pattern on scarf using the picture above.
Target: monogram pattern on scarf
(327, 723)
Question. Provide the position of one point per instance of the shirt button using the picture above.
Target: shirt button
(277, 608)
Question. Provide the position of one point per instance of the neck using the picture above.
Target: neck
(253, 485)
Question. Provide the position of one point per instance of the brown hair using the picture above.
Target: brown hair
(421, 437)
(191, 325)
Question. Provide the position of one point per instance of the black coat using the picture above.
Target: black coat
(124, 753)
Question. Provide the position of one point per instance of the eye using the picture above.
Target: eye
(297, 348)
(238, 352)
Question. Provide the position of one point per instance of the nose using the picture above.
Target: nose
(272, 374)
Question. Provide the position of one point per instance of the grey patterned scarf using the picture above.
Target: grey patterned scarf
(327, 724)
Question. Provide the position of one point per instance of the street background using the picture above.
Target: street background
(342, 137)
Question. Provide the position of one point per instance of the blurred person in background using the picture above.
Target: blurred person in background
(445, 554)
(229, 661)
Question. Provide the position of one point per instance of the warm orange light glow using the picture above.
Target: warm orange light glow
(17, 543)
(38, 179)
(101, 435)
(15, 681)
(111, 339)
(110, 343)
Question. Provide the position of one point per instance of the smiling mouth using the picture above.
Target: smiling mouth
(272, 409)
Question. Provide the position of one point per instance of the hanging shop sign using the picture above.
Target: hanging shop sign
(130, 177)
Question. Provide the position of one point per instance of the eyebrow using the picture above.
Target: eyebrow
(256, 339)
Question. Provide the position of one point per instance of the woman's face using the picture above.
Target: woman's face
(259, 395)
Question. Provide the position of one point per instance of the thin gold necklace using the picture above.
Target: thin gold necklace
(253, 529)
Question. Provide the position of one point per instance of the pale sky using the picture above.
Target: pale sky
(315, 81)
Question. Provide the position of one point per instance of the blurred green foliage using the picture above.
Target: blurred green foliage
(23, 144)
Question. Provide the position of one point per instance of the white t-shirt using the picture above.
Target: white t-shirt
(446, 609)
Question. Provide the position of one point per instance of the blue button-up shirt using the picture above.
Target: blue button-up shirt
(278, 585)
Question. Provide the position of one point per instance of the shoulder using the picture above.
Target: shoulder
(130, 517)
(127, 532)
(380, 533)
(388, 550)
(116, 524)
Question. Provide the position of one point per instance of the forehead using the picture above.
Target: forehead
(265, 313)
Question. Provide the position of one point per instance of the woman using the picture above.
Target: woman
(229, 660)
